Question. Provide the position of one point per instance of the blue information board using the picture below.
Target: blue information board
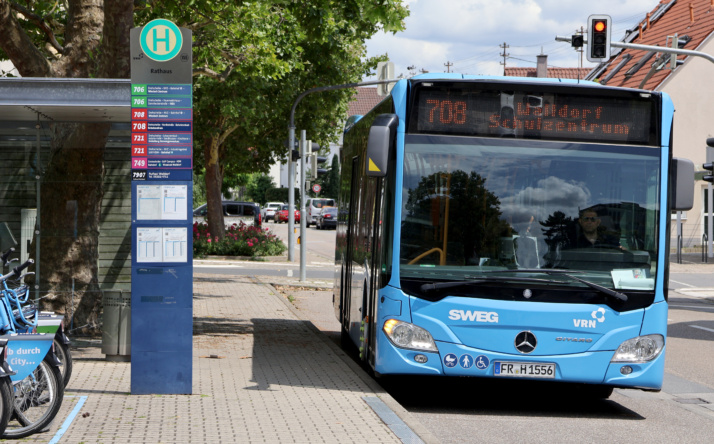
(161, 214)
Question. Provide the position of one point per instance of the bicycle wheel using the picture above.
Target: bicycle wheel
(38, 398)
(65, 357)
(6, 402)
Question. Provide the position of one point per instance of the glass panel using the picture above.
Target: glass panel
(473, 206)
(79, 204)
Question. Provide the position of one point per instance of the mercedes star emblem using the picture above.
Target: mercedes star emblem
(525, 342)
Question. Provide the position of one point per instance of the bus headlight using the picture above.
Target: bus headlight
(640, 349)
(406, 335)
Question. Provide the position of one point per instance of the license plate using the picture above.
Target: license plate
(524, 369)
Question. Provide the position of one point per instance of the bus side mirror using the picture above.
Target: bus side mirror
(382, 136)
(682, 184)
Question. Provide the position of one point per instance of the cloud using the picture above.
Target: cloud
(549, 194)
(470, 33)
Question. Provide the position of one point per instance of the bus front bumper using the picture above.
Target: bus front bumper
(458, 360)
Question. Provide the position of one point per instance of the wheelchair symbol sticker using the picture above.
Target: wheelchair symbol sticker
(482, 362)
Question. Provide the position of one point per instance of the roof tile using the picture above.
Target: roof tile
(553, 73)
(675, 20)
(365, 100)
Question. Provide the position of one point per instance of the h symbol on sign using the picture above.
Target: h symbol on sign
(165, 39)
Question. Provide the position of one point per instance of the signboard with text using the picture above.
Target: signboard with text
(162, 192)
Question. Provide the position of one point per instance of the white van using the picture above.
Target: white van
(313, 207)
(268, 212)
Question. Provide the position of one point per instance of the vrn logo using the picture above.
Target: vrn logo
(477, 316)
(597, 315)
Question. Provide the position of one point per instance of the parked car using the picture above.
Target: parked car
(269, 210)
(233, 213)
(327, 218)
(313, 207)
(282, 215)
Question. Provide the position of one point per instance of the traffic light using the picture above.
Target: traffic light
(709, 166)
(318, 160)
(576, 41)
(599, 38)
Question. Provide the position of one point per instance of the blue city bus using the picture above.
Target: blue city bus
(509, 228)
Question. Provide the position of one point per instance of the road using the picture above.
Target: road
(484, 410)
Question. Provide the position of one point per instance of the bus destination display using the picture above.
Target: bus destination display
(551, 115)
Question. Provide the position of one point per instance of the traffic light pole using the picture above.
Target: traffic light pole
(664, 49)
(291, 167)
(303, 246)
(710, 199)
(291, 193)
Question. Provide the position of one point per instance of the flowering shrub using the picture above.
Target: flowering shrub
(240, 240)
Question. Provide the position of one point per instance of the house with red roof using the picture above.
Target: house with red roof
(686, 24)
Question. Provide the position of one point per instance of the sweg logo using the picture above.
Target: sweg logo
(478, 316)
(597, 315)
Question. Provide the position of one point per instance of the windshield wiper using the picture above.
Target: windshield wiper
(450, 284)
(568, 273)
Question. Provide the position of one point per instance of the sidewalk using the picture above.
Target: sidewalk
(260, 374)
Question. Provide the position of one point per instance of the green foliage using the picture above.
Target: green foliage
(239, 240)
(330, 182)
(199, 189)
(281, 195)
(258, 187)
(273, 51)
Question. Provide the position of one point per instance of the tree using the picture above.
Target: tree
(250, 60)
(330, 182)
(258, 187)
(242, 116)
(84, 38)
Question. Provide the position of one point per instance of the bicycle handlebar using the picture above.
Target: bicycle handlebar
(6, 255)
(17, 271)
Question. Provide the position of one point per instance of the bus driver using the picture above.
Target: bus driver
(590, 236)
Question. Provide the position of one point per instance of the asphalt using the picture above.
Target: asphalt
(262, 373)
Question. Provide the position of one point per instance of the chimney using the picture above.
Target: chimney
(542, 66)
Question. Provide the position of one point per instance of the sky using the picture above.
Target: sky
(469, 34)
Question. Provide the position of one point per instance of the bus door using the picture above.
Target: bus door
(376, 236)
(352, 228)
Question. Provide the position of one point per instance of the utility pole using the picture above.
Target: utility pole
(504, 55)
(448, 65)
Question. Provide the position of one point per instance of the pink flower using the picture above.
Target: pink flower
(209, 240)
(250, 244)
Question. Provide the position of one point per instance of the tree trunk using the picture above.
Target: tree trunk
(214, 182)
(70, 209)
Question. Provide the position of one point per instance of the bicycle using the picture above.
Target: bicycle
(6, 390)
(38, 385)
(48, 322)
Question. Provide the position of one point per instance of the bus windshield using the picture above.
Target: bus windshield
(477, 207)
